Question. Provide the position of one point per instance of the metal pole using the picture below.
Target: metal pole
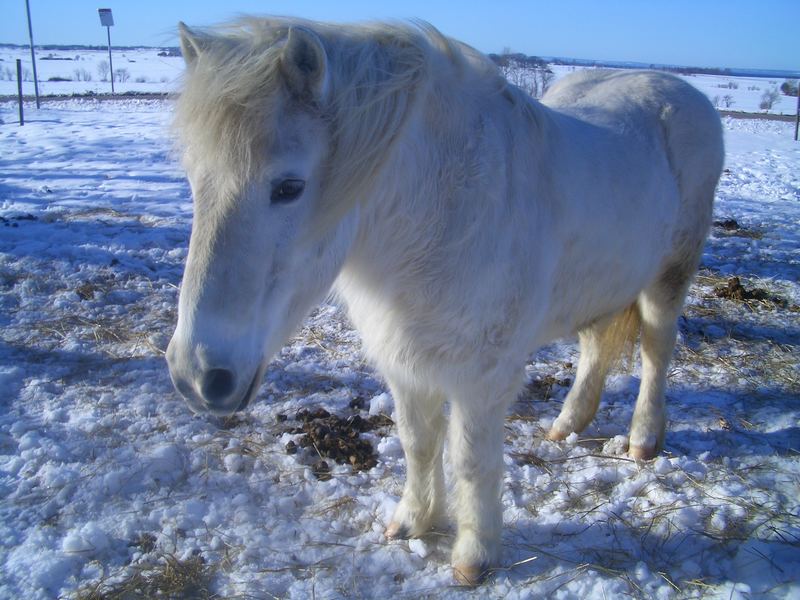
(110, 62)
(19, 92)
(797, 118)
(33, 54)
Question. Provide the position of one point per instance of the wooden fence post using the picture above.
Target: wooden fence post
(19, 92)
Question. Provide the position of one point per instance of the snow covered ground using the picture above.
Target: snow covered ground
(150, 73)
(146, 71)
(108, 483)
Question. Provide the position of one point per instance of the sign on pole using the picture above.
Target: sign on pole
(107, 21)
(106, 18)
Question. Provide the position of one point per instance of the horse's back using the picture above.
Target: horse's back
(605, 96)
(665, 111)
(645, 154)
(648, 103)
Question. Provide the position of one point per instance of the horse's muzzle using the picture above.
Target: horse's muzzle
(252, 390)
(218, 390)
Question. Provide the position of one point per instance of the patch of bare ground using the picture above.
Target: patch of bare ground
(115, 314)
(169, 577)
(730, 331)
(737, 114)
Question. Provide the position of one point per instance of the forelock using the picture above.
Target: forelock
(229, 95)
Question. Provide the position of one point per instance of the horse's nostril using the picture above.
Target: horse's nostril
(218, 384)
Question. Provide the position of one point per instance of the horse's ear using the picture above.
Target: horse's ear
(305, 64)
(192, 43)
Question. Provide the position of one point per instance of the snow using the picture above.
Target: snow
(381, 404)
(150, 73)
(104, 472)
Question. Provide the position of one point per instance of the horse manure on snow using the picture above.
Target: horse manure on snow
(727, 224)
(86, 291)
(731, 227)
(734, 290)
(541, 387)
(329, 436)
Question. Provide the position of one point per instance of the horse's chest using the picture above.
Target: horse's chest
(408, 329)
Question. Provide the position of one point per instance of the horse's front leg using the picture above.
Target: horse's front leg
(421, 425)
(476, 453)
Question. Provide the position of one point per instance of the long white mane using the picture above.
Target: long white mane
(374, 73)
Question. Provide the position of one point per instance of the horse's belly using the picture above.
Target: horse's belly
(615, 252)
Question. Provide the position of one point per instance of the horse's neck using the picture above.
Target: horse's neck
(441, 185)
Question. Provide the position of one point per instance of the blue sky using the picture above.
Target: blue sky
(752, 34)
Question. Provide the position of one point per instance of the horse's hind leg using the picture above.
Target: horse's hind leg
(600, 346)
(421, 425)
(659, 307)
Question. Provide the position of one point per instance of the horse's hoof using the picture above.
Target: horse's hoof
(642, 452)
(396, 531)
(470, 575)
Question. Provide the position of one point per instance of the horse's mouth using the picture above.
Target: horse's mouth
(252, 390)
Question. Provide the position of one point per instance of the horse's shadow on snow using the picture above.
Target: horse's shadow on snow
(713, 422)
(67, 367)
(717, 423)
(715, 329)
(118, 241)
(552, 555)
(710, 426)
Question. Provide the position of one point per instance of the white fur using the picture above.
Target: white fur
(463, 223)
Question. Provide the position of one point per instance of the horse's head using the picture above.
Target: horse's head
(255, 133)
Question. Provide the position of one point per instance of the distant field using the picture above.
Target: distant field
(144, 69)
(80, 71)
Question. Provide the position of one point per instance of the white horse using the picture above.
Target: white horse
(463, 224)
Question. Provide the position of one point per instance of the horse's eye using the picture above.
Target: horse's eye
(287, 190)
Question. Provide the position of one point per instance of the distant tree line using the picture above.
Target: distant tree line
(519, 59)
(726, 72)
(529, 73)
(693, 70)
(171, 51)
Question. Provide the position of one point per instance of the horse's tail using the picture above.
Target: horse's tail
(618, 338)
